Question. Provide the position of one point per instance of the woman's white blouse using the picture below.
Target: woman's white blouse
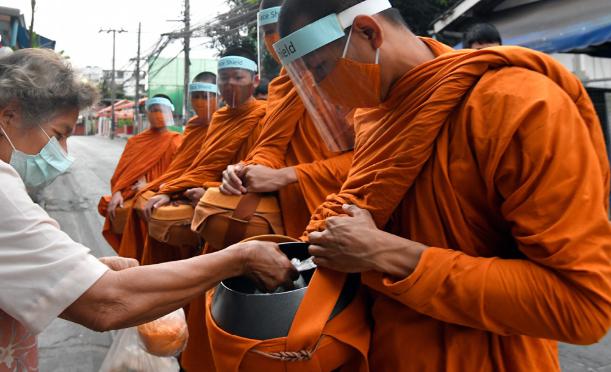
(42, 270)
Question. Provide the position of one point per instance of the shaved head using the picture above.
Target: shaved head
(205, 77)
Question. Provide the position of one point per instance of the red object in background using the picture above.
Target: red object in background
(79, 130)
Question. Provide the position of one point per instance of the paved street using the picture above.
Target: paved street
(72, 200)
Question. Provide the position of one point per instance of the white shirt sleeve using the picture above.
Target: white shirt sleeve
(42, 270)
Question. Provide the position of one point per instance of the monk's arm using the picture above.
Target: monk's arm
(121, 165)
(138, 295)
(552, 189)
(321, 178)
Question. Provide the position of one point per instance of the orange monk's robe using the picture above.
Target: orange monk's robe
(146, 155)
(232, 134)
(135, 233)
(290, 139)
(495, 159)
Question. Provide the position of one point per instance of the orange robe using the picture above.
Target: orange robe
(135, 234)
(233, 132)
(290, 139)
(146, 155)
(496, 159)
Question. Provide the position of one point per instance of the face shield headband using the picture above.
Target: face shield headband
(159, 101)
(324, 31)
(203, 87)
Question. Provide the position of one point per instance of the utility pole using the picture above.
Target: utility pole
(32, 43)
(187, 42)
(113, 92)
(137, 98)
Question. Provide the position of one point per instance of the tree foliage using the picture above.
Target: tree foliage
(239, 25)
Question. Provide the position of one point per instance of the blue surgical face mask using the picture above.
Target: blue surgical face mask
(39, 170)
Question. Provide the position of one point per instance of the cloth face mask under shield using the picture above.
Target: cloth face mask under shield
(311, 58)
(364, 80)
(204, 107)
(41, 169)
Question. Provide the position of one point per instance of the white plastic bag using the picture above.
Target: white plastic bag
(127, 355)
(166, 336)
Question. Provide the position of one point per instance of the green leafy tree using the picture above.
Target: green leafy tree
(239, 25)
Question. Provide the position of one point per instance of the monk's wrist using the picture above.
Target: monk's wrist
(400, 257)
(288, 175)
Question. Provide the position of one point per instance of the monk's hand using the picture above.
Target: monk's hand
(354, 244)
(119, 263)
(232, 180)
(259, 178)
(265, 264)
(155, 202)
(139, 185)
(115, 201)
(194, 195)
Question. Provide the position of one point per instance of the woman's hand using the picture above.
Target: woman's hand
(232, 180)
(265, 263)
(258, 178)
(119, 263)
(354, 244)
(194, 195)
(155, 202)
(115, 201)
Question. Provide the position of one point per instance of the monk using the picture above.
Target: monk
(290, 156)
(204, 102)
(233, 132)
(145, 157)
(476, 206)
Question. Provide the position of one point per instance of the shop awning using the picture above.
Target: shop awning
(550, 26)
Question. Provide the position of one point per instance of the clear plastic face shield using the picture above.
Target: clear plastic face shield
(160, 112)
(267, 24)
(204, 99)
(236, 80)
(327, 71)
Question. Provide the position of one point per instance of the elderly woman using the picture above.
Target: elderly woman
(43, 273)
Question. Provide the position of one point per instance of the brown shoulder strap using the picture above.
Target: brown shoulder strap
(242, 215)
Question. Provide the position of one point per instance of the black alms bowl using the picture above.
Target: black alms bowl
(239, 309)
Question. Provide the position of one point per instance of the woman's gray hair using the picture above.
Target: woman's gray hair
(42, 84)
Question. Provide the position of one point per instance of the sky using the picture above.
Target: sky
(75, 25)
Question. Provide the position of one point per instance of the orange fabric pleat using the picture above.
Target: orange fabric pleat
(194, 136)
(340, 344)
(496, 157)
(147, 155)
(231, 135)
(135, 233)
(290, 139)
